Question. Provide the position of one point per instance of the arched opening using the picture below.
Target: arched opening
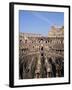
(42, 39)
(41, 48)
(46, 41)
(25, 41)
(33, 46)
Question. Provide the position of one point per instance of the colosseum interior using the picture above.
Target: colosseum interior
(41, 56)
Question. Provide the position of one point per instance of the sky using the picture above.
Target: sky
(39, 22)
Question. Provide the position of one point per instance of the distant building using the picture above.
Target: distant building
(30, 35)
(56, 32)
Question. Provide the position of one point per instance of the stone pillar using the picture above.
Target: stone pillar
(48, 68)
(58, 70)
(29, 72)
(37, 74)
(21, 70)
(24, 72)
(53, 67)
(38, 68)
(49, 71)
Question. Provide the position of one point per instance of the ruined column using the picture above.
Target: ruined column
(48, 68)
(38, 68)
(58, 70)
(24, 71)
(29, 68)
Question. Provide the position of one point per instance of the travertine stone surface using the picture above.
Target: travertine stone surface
(41, 56)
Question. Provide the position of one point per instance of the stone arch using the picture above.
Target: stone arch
(42, 48)
(26, 41)
(46, 41)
